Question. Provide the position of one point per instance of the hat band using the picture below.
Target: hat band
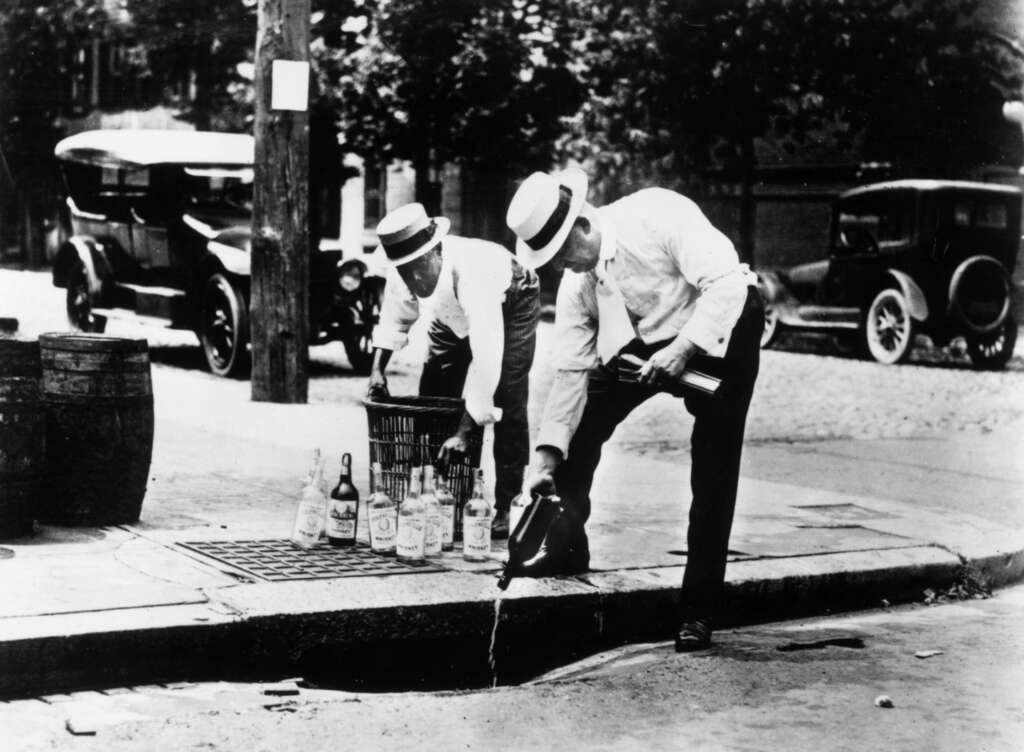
(554, 223)
(411, 244)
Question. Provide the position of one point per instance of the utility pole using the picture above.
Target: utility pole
(280, 237)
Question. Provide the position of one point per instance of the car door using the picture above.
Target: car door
(149, 228)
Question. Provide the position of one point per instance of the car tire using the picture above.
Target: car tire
(770, 333)
(79, 302)
(993, 351)
(888, 327)
(359, 342)
(224, 326)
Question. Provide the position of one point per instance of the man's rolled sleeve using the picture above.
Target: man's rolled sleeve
(575, 342)
(398, 312)
(487, 343)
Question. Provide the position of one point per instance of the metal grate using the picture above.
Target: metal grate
(277, 560)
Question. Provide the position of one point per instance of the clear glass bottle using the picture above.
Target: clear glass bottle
(382, 514)
(411, 522)
(432, 511)
(343, 508)
(447, 501)
(312, 506)
(476, 524)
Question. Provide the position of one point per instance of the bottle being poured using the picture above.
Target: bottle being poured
(312, 506)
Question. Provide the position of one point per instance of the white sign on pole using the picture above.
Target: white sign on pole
(289, 85)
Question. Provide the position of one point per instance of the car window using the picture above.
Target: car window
(875, 223)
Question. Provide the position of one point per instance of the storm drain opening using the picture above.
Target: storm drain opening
(278, 560)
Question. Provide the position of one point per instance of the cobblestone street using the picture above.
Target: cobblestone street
(801, 395)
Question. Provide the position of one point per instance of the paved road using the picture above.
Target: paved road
(808, 685)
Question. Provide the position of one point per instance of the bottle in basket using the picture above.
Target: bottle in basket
(476, 524)
(432, 513)
(312, 507)
(382, 515)
(411, 522)
(447, 502)
(343, 508)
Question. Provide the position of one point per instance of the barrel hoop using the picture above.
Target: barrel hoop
(92, 343)
(69, 383)
(98, 362)
(87, 400)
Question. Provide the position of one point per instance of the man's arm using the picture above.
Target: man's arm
(399, 311)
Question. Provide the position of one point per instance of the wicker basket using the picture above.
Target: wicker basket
(408, 431)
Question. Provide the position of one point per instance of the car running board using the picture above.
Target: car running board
(822, 317)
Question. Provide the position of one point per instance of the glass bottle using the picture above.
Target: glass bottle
(382, 514)
(476, 524)
(411, 522)
(447, 501)
(517, 508)
(312, 506)
(343, 508)
(432, 512)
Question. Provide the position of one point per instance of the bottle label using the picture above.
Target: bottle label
(341, 520)
(308, 522)
(383, 524)
(409, 543)
(476, 535)
(432, 535)
(447, 526)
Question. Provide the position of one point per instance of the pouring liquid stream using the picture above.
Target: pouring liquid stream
(491, 660)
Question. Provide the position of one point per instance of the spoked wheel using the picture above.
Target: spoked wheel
(224, 326)
(771, 326)
(993, 351)
(359, 342)
(888, 327)
(79, 303)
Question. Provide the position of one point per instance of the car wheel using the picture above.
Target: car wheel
(79, 303)
(359, 343)
(993, 351)
(888, 327)
(224, 326)
(770, 333)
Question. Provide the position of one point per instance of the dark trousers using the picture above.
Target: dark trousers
(448, 359)
(715, 447)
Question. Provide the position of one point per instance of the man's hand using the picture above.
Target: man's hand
(377, 386)
(541, 479)
(454, 448)
(667, 365)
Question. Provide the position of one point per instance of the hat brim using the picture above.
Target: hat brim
(576, 181)
(441, 227)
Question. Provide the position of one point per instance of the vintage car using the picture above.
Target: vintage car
(909, 257)
(160, 227)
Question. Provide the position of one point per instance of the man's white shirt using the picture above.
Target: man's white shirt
(672, 271)
(475, 275)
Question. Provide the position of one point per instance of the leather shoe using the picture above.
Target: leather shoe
(693, 635)
(499, 525)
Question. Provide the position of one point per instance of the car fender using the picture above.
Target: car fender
(234, 260)
(915, 298)
(955, 311)
(90, 253)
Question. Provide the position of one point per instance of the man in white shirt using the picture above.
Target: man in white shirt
(649, 281)
(483, 308)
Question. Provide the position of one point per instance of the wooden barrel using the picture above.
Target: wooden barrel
(22, 437)
(98, 396)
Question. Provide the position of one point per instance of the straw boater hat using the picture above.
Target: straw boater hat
(408, 233)
(542, 213)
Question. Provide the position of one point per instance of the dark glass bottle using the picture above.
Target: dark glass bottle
(343, 508)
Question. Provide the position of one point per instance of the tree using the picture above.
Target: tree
(917, 84)
(480, 83)
(194, 49)
(37, 41)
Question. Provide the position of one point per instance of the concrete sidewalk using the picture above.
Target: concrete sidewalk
(820, 526)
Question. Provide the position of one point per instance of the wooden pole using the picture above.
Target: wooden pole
(280, 237)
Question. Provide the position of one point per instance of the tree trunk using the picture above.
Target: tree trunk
(748, 208)
(428, 184)
(485, 197)
(280, 242)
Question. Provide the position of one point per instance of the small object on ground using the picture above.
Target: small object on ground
(927, 653)
(80, 727)
(885, 603)
(281, 690)
(884, 701)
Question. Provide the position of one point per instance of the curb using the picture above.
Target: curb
(542, 624)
